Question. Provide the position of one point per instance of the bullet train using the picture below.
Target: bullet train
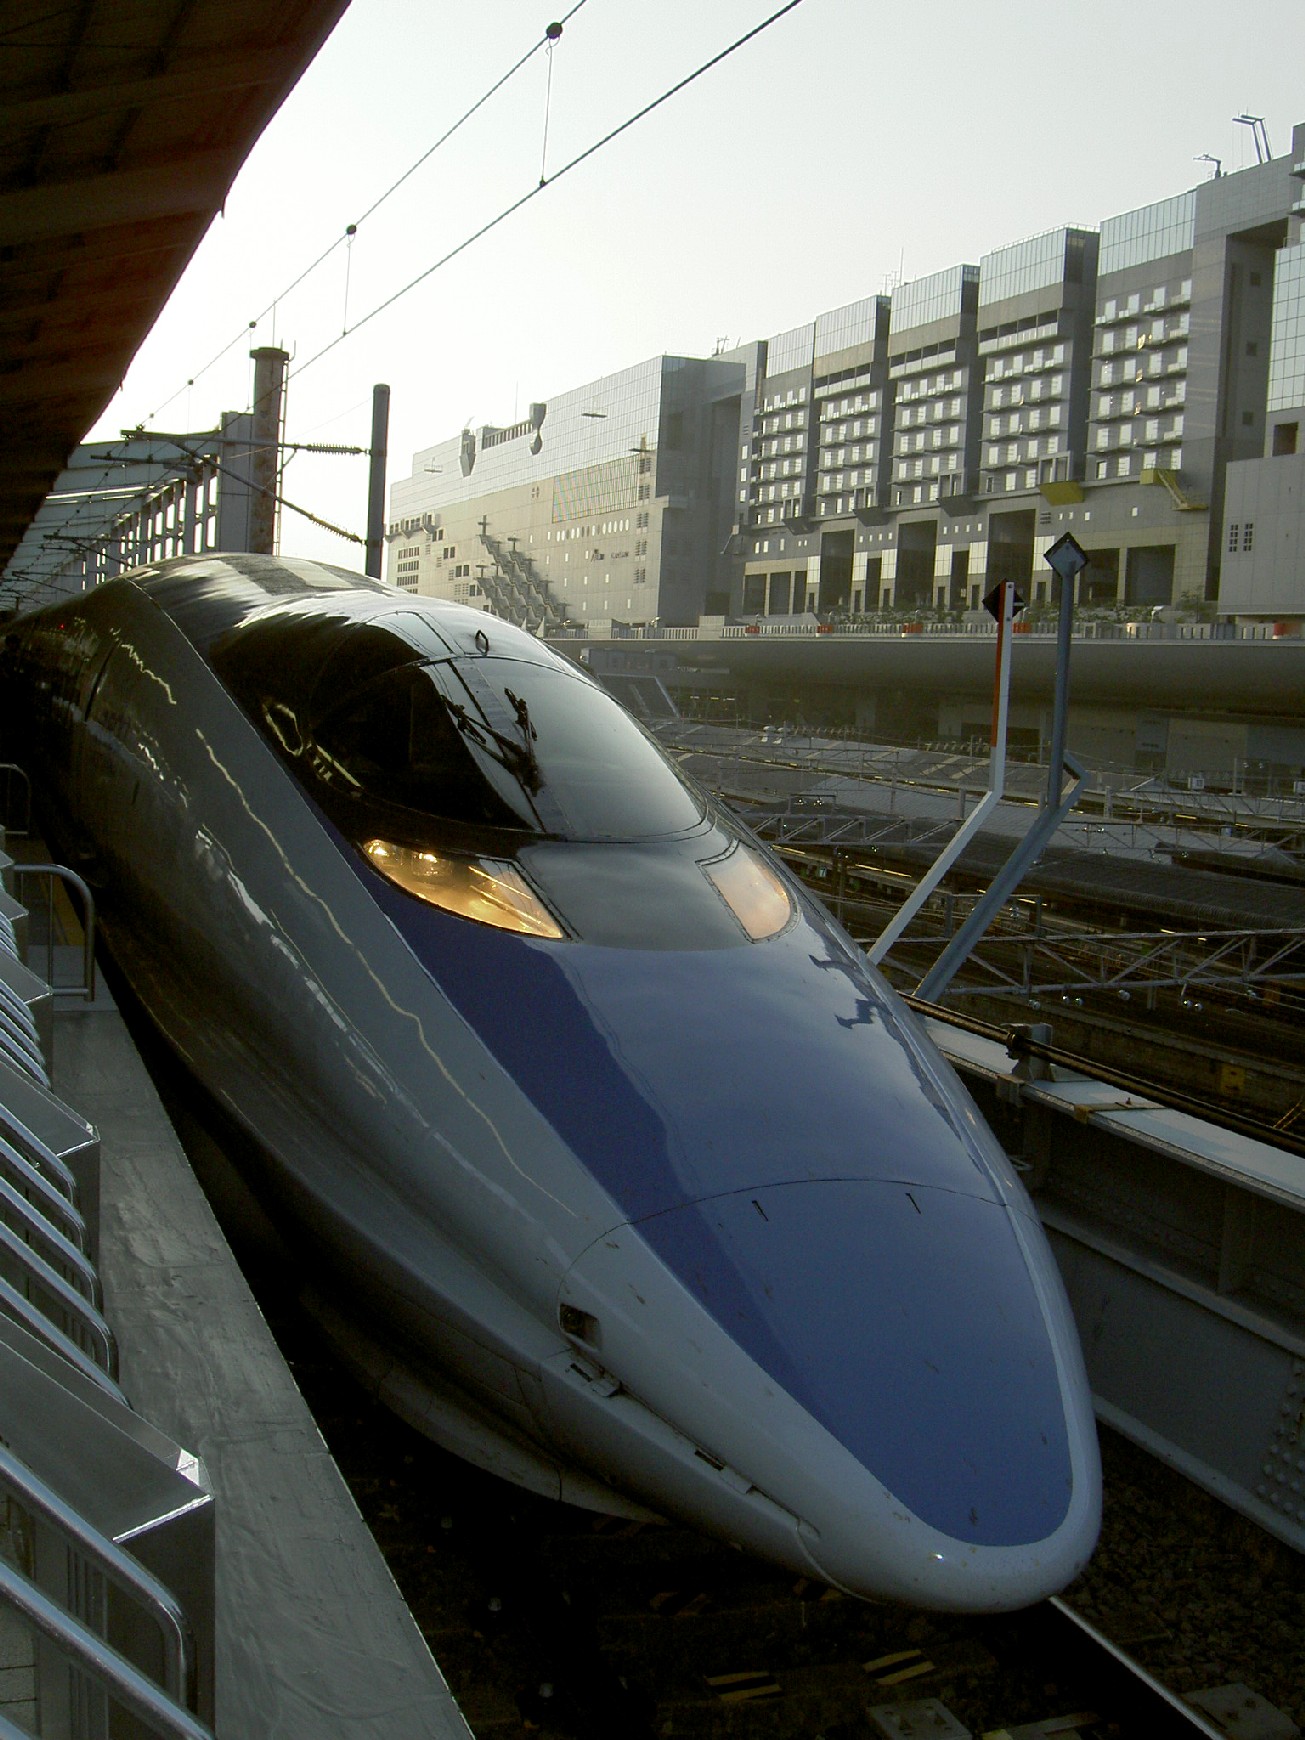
(609, 1159)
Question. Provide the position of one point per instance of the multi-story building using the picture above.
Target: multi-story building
(932, 358)
(1264, 507)
(1035, 340)
(612, 502)
(908, 453)
(815, 457)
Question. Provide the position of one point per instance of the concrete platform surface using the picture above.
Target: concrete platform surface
(313, 1638)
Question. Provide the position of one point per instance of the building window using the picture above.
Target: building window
(1248, 534)
(1234, 539)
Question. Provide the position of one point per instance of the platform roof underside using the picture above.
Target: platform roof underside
(122, 128)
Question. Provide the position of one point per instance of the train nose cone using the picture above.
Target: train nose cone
(918, 1327)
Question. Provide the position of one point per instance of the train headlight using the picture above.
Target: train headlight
(488, 890)
(751, 890)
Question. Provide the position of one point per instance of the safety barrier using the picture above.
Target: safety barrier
(55, 875)
(100, 1628)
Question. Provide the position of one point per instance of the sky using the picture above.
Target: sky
(847, 146)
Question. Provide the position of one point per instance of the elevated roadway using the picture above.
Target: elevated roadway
(1260, 677)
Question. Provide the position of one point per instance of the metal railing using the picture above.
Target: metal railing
(19, 1040)
(1240, 963)
(133, 1690)
(118, 1567)
(1116, 808)
(45, 1245)
(904, 624)
(12, 775)
(55, 874)
(51, 1291)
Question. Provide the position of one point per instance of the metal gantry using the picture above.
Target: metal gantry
(1237, 963)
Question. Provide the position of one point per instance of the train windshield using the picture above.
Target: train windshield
(511, 790)
(501, 743)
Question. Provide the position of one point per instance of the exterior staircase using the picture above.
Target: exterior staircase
(1169, 480)
(516, 589)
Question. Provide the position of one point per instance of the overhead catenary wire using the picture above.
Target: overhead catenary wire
(347, 234)
(533, 192)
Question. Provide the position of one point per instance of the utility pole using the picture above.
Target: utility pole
(269, 393)
(376, 480)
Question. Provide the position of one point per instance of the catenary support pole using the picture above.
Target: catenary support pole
(265, 446)
(1067, 560)
(1060, 708)
(376, 480)
(1005, 601)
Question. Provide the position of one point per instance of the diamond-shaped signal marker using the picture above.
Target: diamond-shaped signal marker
(992, 604)
(1067, 556)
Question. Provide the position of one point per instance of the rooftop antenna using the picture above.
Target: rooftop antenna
(1260, 134)
(1205, 157)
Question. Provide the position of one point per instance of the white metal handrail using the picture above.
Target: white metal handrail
(73, 1304)
(34, 1320)
(20, 1043)
(59, 1249)
(40, 1153)
(132, 1689)
(61, 873)
(61, 1202)
(119, 1567)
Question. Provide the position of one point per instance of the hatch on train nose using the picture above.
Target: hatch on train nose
(907, 1321)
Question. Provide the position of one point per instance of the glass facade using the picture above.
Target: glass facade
(1030, 265)
(794, 349)
(584, 428)
(1287, 343)
(1149, 233)
(842, 328)
(941, 296)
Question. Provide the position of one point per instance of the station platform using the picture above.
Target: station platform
(312, 1636)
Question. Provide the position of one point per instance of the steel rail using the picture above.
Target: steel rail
(1019, 1042)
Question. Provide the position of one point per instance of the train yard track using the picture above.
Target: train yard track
(1232, 1051)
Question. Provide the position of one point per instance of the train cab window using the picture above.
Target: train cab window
(396, 741)
(607, 780)
(502, 743)
(390, 716)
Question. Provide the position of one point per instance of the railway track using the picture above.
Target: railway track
(1230, 1053)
